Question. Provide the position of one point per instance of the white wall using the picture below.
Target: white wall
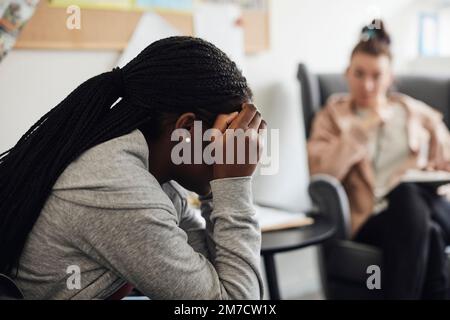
(34, 81)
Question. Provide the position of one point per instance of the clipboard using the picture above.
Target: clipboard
(433, 179)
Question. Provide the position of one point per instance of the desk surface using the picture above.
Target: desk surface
(296, 238)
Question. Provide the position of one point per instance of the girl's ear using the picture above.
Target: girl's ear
(185, 121)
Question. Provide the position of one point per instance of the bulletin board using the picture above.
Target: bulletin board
(112, 29)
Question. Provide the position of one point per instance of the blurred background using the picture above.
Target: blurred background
(47, 48)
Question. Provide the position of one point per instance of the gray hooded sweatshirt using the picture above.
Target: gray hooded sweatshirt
(109, 222)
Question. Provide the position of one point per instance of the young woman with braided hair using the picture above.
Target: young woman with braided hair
(91, 187)
(367, 139)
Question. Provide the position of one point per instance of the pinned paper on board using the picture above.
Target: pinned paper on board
(168, 5)
(221, 24)
(14, 14)
(95, 4)
(174, 5)
(151, 27)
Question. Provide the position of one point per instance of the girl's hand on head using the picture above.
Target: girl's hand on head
(224, 120)
(246, 126)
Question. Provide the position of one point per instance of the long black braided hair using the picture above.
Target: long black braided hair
(171, 76)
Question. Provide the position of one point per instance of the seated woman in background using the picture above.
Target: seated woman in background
(368, 139)
(92, 202)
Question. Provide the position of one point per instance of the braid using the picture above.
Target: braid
(173, 75)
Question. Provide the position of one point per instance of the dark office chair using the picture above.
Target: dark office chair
(343, 263)
(8, 289)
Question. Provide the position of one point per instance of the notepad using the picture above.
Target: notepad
(432, 178)
(271, 219)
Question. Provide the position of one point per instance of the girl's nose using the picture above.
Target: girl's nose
(369, 86)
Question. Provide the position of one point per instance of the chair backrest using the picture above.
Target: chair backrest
(316, 88)
(8, 289)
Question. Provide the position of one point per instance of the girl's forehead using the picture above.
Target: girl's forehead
(370, 62)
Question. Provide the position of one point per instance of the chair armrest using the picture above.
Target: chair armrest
(348, 260)
(329, 197)
(8, 289)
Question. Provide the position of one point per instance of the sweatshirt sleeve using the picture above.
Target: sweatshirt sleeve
(147, 247)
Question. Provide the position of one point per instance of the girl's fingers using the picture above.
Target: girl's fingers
(244, 117)
(261, 142)
(223, 121)
(255, 122)
(262, 125)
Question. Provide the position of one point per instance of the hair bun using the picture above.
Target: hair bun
(375, 31)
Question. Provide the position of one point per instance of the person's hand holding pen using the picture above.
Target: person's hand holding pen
(439, 150)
